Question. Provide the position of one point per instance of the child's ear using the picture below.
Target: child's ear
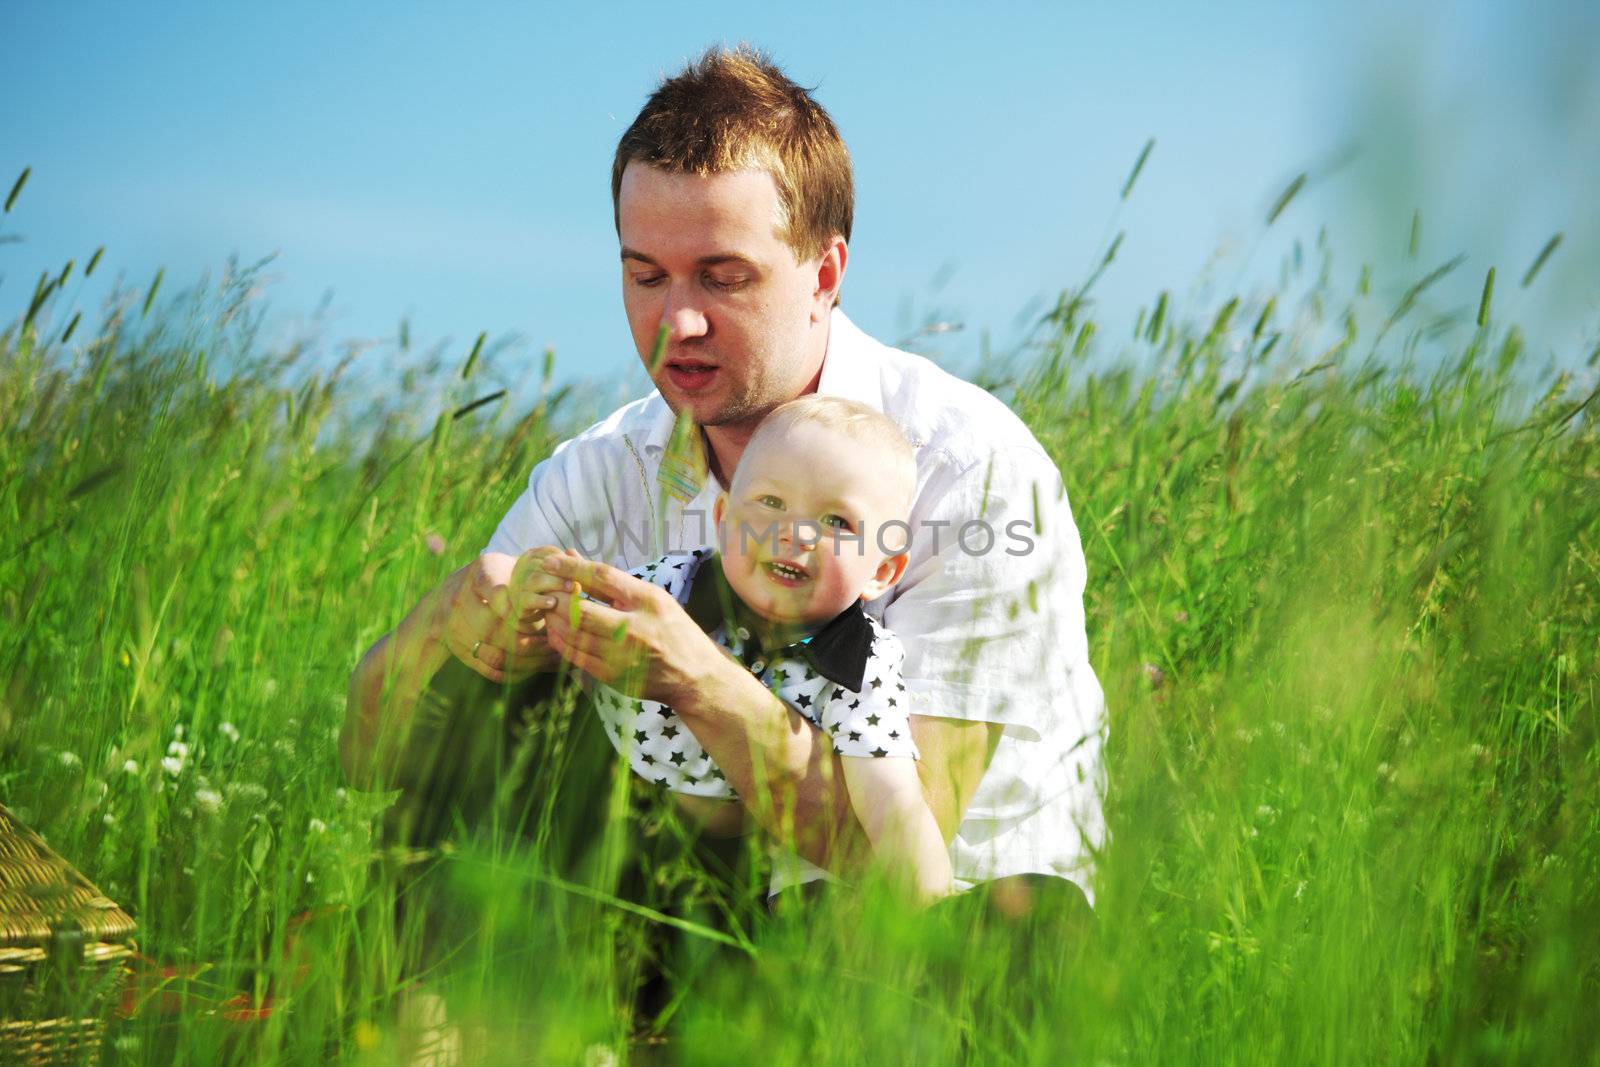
(891, 570)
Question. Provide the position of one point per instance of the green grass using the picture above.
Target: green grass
(1344, 598)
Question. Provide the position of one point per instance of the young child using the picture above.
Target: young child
(803, 545)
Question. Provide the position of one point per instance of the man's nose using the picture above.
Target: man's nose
(684, 317)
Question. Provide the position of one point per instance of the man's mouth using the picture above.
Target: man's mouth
(786, 573)
(690, 375)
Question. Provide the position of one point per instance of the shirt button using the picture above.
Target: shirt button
(758, 666)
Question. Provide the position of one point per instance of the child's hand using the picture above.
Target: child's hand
(531, 585)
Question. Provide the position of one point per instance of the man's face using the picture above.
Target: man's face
(703, 256)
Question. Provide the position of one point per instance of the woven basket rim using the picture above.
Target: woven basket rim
(43, 896)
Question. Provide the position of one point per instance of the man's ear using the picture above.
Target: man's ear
(830, 279)
(891, 570)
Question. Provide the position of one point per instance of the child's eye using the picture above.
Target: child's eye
(769, 501)
(836, 522)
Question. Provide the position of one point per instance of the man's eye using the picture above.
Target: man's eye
(723, 283)
(767, 500)
(836, 522)
(648, 281)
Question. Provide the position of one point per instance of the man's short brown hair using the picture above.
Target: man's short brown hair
(735, 110)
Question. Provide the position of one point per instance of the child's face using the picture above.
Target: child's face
(795, 493)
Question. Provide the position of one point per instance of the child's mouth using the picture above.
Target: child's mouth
(786, 574)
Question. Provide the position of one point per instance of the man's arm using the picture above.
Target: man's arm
(785, 772)
(802, 794)
(955, 755)
(468, 616)
(636, 637)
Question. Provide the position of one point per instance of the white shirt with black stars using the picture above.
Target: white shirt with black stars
(845, 679)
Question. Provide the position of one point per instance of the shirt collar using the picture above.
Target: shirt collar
(849, 369)
(839, 651)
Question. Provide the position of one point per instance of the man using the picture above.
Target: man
(733, 203)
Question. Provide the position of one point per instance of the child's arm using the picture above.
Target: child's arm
(714, 817)
(887, 797)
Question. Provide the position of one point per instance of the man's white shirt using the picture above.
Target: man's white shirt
(990, 609)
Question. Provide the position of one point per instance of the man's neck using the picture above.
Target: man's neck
(727, 443)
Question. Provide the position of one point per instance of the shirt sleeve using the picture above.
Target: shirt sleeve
(876, 722)
(991, 607)
(581, 497)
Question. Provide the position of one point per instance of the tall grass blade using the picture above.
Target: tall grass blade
(150, 297)
(94, 480)
(472, 357)
(16, 188)
(1409, 300)
(1539, 261)
(467, 409)
(1288, 194)
(1488, 297)
(659, 352)
(1138, 166)
(41, 292)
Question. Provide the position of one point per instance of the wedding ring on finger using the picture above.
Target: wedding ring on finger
(475, 646)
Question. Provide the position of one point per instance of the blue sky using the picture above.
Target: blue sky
(453, 167)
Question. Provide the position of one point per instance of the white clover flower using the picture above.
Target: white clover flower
(317, 826)
(130, 767)
(109, 819)
(209, 801)
(70, 760)
(230, 731)
(172, 765)
(177, 731)
(1266, 811)
(178, 749)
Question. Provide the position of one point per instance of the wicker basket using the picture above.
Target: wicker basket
(64, 946)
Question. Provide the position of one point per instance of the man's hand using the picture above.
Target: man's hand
(532, 587)
(498, 635)
(631, 635)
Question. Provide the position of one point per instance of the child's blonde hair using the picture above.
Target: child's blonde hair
(856, 421)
